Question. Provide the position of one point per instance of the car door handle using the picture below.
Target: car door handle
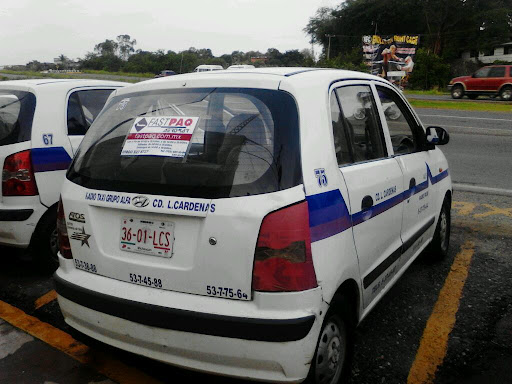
(412, 183)
(367, 203)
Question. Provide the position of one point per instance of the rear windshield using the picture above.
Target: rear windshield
(16, 115)
(205, 143)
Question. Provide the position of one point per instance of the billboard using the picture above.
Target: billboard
(391, 57)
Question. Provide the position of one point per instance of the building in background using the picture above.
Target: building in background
(502, 52)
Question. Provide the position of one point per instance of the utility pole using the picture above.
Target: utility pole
(329, 46)
(181, 64)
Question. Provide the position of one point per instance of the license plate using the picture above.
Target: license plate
(155, 238)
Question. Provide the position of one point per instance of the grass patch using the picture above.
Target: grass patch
(435, 92)
(125, 74)
(99, 75)
(464, 106)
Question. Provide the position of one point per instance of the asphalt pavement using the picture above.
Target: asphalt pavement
(462, 305)
(480, 148)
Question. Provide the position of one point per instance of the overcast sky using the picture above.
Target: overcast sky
(41, 30)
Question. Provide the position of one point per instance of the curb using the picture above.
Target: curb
(482, 190)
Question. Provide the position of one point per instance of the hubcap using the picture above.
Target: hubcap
(443, 229)
(331, 354)
(507, 94)
(457, 92)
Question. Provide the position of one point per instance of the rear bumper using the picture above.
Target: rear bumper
(201, 333)
(184, 320)
(18, 219)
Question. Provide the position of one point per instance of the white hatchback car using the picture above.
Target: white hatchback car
(42, 122)
(244, 223)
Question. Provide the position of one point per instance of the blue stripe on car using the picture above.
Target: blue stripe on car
(50, 159)
(329, 215)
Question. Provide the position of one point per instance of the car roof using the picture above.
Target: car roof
(60, 83)
(264, 77)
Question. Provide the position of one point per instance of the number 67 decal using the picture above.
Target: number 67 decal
(48, 138)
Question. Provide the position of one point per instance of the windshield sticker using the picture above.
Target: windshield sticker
(122, 104)
(160, 136)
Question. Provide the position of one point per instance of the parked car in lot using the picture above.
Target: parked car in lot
(493, 80)
(243, 224)
(41, 125)
(165, 73)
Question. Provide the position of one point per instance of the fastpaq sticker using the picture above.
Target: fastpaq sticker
(160, 136)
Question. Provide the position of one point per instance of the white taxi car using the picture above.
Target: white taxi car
(244, 223)
(41, 125)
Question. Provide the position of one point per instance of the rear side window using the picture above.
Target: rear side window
(239, 142)
(16, 116)
(84, 107)
(361, 122)
(496, 72)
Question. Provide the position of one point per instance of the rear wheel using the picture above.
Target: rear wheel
(506, 93)
(441, 241)
(457, 92)
(333, 352)
(44, 246)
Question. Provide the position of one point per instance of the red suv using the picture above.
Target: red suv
(491, 80)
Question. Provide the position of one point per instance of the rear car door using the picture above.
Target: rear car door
(416, 163)
(495, 78)
(375, 185)
(83, 106)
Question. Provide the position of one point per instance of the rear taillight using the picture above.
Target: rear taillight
(62, 232)
(18, 175)
(282, 261)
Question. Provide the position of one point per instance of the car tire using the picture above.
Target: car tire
(438, 248)
(457, 92)
(473, 97)
(43, 245)
(333, 354)
(506, 93)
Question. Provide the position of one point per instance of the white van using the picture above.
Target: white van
(208, 68)
(241, 66)
(42, 122)
(243, 224)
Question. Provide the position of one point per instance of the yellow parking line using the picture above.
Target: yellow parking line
(464, 208)
(45, 299)
(99, 361)
(434, 341)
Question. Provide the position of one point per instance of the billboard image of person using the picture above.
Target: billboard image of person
(391, 57)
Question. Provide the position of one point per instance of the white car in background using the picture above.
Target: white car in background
(42, 123)
(243, 224)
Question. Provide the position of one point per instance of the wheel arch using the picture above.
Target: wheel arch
(348, 294)
(52, 208)
(461, 84)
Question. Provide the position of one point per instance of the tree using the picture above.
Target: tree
(125, 46)
(108, 47)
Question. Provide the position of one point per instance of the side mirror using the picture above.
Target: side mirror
(437, 136)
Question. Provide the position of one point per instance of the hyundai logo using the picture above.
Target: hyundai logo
(140, 201)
